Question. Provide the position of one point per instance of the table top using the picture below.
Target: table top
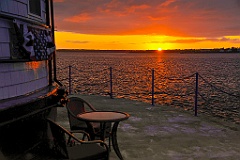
(104, 116)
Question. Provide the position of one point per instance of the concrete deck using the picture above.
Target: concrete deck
(162, 132)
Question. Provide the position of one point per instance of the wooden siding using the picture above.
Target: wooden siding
(4, 39)
(19, 8)
(18, 79)
(15, 7)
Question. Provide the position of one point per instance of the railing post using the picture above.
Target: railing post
(196, 96)
(111, 84)
(152, 87)
(70, 79)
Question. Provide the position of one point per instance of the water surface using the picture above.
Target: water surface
(174, 78)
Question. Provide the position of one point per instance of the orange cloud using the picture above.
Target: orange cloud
(79, 18)
(154, 29)
(138, 8)
(163, 17)
(167, 3)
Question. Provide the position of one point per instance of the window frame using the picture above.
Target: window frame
(35, 14)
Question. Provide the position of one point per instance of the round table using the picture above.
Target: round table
(103, 117)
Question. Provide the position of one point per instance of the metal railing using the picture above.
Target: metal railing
(155, 86)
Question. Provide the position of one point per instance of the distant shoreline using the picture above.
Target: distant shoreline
(115, 51)
(185, 51)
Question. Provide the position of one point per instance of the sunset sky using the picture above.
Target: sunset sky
(147, 24)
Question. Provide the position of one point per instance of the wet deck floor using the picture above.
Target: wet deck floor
(162, 132)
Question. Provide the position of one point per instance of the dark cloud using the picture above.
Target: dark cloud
(212, 18)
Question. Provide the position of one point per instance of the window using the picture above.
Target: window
(35, 7)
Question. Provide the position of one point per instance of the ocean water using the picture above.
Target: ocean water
(174, 78)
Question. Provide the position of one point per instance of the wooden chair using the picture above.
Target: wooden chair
(75, 148)
(77, 106)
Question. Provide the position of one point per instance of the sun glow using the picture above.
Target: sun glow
(71, 40)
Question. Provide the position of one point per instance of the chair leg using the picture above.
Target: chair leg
(109, 143)
(69, 140)
(84, 136)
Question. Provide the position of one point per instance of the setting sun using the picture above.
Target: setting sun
(159, 49)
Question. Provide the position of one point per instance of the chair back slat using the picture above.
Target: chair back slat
(74, 107)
